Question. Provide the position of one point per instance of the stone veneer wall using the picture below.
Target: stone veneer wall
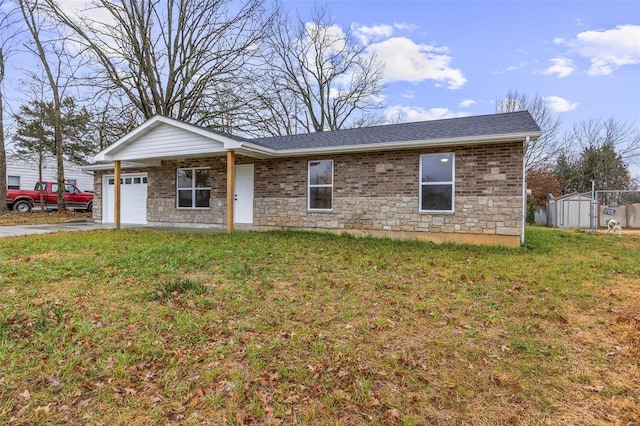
(161, 194)
(161, 201)
(377, 194)
(374, 194)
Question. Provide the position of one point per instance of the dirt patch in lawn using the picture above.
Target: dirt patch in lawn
(12, 218)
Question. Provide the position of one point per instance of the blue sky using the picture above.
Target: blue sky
(452, 58)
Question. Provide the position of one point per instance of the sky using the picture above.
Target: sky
(454, 58)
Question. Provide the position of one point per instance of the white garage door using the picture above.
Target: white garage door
(133, 199)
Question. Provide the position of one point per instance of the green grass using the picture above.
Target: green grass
(142, 327)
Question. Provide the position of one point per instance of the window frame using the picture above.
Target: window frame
(9, 186)
(324, 185)
(452, 182)
(193, 189)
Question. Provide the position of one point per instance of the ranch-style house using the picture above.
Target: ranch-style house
(459, 180)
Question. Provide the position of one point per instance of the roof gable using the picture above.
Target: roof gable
(163, 137)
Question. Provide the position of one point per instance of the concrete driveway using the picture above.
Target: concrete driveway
(82, 225)
(10, 231)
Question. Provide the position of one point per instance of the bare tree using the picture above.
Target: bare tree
(600, 151)
(112, 117)
(174, 58)
(540, 152)
(321, 78)
(3, 152)
(51, 51)
(7, 37)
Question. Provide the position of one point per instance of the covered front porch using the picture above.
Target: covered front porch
(147, 178)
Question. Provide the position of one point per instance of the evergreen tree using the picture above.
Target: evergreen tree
(35, 130)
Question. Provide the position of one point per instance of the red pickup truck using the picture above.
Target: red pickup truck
(24, 201)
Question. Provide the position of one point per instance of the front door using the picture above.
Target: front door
(243, 206)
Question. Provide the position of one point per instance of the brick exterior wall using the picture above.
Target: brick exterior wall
(374, 193)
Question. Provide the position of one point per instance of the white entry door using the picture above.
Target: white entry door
(243, 206)
(133, 198)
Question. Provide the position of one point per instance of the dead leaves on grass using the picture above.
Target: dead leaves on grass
(12, 218)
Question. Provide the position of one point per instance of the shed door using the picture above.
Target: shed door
(133, 199)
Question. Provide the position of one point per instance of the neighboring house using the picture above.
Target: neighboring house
(22, 172)
(455, 180)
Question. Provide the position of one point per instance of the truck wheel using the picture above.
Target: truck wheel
(89, 207)
(22, 206)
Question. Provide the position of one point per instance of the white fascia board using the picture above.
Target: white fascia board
(124, 165)
(473, 140)
(151, 158)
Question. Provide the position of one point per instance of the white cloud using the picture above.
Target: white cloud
(563, 67)
(375, 32)
(558, 104)
(466, 103)
(409, 94)
(334, 35)
(607, 50)
(379, 32)
(406, 60)
(402, 26)
(82, 9)
(519, 66)
(410, 114)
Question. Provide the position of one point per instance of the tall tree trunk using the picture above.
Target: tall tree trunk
(40, 161)
(3, 153)
(30, 13)
(59, 155)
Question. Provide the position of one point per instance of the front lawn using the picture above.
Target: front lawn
(143, 327)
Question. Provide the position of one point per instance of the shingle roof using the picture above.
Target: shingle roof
(454, 128)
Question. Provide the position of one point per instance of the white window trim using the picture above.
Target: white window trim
(324, 185)
(192, 188)
(452, 182)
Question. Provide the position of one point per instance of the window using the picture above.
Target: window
(320, 185)
(437, 182)
(13, 182)
(73, 181)
(194, 188)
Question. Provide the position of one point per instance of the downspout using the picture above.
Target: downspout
(526, 143)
